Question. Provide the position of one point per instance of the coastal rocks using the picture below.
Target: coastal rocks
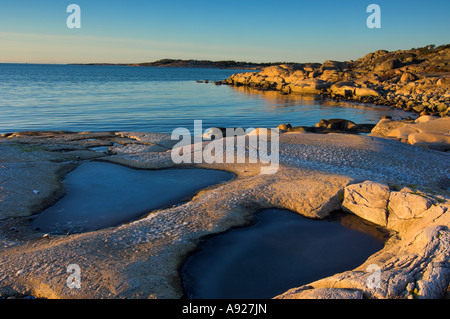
(384, 126)
(367, 200)
(335, 124)
(426, 131)
(438, 142)
(343, 88)
(405, 205)
(334, 65)
(414, 263)
(362, 92)
(308, 86)
(296, 76)
(415, 80)
(388, 65)
(381, 205)
(444, 82)
(241, 78)
(408, 77)
(414, 269)
(329, 126)
(274, 71)
(347, 89)
(284, 127)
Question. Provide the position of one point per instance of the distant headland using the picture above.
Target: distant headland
(228, 64)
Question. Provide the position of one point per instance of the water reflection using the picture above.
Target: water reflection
(101, 195)
(312, 108)
(280, 251)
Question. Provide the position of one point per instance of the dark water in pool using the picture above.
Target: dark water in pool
(149, 99)
(282, 250)
(101, 195)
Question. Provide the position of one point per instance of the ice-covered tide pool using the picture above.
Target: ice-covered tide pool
(101, 195)
(282, 250)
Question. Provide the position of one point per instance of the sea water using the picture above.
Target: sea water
(151, 99)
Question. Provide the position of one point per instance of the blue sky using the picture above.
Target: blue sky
(248, 30)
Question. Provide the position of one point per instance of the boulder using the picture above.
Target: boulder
(309, 86)
(292, 66)
(334, 65)
(335, 124)
(284, 127)
(384, 126)
(256, 78)
(425, 118)
(274, 71)
(263, 131)
(343, 88)
(408, 77)
(367, 200)
(388, 65)
(441, 107)
(220, 132)
(405, 205)
(435, 141)
(419, 108)
(275, 79)
(402, 133)
(366, 92)
(241, 78)
(295, 76)
(438, 126)
(444, 82)
(362, 128)
(329, 126)
(426, 131)
(299, 73)
(329, 75)
(314, 74)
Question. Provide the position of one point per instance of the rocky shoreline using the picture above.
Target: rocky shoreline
(399, 187)
(416, 80)
(425, 131)
(393, 175)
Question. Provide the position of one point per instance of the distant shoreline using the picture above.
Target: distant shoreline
(193, 64)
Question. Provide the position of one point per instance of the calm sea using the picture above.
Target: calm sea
(150, 99)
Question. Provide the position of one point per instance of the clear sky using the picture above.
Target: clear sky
(128, 31)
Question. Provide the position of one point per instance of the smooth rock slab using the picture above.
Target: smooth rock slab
(101, 195)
